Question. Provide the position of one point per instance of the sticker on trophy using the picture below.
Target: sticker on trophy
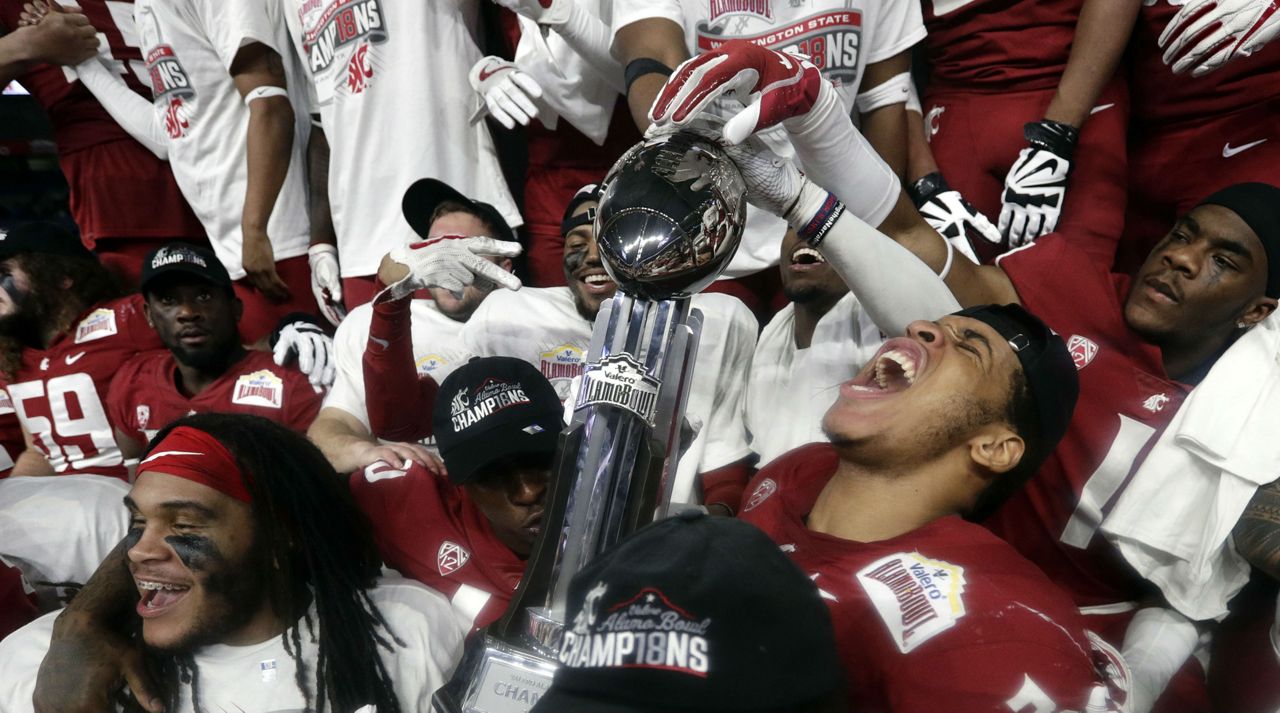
(619, 380)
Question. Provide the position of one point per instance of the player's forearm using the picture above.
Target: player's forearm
(14, 58)
(886, 129)
(1257, 534)
(588, 35)
(400, 403)
(1101, 35)
(340, 437)
(318, 188)
(920, 161)
(269, 147)
(657, 39)
(133, 113)
(31, 462)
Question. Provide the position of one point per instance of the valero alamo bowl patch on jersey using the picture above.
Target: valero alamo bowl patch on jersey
(260, 388)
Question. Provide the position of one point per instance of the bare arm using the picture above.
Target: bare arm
(1257, 535)
(885, 127)
(1102, 33)
(267, 156)
(318, 187)
(348, 446)
(654, 38)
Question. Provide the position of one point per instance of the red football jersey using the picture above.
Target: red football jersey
(59, 393)
(17, 605)
(944, 617)
(144, 395)
(1159, 96)
(429, 530)
(11, 442)
(1125, 402)
(998, 45)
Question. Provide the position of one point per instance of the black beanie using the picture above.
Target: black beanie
(1258, 205)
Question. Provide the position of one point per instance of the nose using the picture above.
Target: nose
(149, 547)
(529, 488)
(187, 311)
(593, 251)
(1183, 257)
(925, 331)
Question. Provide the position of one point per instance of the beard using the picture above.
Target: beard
(33, 311)
(210, 359)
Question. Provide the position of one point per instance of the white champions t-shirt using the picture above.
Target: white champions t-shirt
(57, 530)
(437, 351)
(542, 327)
(790, 389)
(189, 46)
(390, 77)
(841, 37)
(260, 678)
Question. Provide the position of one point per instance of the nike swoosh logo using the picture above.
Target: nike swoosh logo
(73, 359)
(162, 454)
(1228, 150)
(485, 73)
(380, 342)
(1100, 107)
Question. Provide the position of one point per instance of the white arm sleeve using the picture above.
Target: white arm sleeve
(589, 37)
(133, 113)
(894, 286)
(1156, 644)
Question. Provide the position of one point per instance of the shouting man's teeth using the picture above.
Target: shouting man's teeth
(806, 256)
(596, 279)
(160, 585)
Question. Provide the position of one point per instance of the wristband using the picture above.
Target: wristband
(638, 68)
(1055, 137)
(263, 92)
(815, 231)
(926, 187)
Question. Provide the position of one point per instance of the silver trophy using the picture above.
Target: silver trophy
(670, 218)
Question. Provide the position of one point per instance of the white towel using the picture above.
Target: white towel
(1173, 522)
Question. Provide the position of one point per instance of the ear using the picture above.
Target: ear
(996, 448)
(1258, 310)
(146, 312)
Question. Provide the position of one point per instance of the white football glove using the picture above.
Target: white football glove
(312, 347)
(452, 262)
(508, 93)
(543, 12)
(1036, 186)
(947, 212)
(1238, 29)
(326, 281)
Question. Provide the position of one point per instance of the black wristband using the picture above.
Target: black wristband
(926, 187)
(1055, 137)
(638, 68)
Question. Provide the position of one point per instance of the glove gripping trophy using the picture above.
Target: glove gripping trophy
(670, 218)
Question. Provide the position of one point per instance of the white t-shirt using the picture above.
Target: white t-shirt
(841, 37)
(58, 529)
(260, 678)
(542, 327)
(390, 77)
(790, 389)
(437, 351)
(189, 46)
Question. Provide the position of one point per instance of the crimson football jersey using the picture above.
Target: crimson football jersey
(945, 617)
(997, 45)
(429, 530)
(1126, 400)
(1160, 97)
(11, 441)
(59, 393)
(17, 605)
(144, 396)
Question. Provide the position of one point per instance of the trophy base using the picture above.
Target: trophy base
(507, 679)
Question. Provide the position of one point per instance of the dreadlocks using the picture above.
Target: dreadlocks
(323, 551)
(50, 303)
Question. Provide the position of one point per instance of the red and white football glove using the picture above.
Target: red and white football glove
(1206, 34)
(774, 87)
(508, 93)
(326, 281)
(451, 262)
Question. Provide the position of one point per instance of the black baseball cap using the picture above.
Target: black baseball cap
(422, 198)
(42, 238)
(693, 613)
(183, 259)
(1047, 366)
(494, 407)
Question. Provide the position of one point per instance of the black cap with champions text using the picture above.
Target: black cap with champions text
(183, 259)
(693, 613)
(42, 238)
(1047, 366)
(491, 408)
(426, 194)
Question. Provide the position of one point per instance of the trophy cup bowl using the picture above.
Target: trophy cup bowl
(671, 216)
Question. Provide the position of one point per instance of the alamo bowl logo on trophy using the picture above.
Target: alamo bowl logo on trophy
(671, 216)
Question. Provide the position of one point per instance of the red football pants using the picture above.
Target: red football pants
(1172, 169)
(975, 139)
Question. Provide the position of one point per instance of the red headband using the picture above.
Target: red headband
(195, 455)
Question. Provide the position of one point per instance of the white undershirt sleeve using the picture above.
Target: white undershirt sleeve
(133, 113)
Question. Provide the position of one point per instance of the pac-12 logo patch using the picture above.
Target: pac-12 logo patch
(762, 492)
(1082, 349)
(917, 597)
(143, 416)
(451, 557)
